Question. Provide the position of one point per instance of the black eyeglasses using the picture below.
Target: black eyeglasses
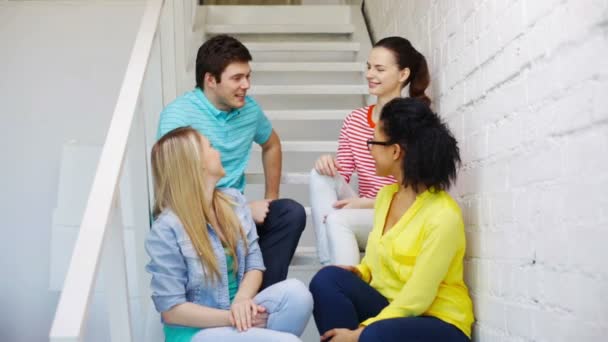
(371, 142)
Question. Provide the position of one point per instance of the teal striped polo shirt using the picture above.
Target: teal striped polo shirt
(231, 133)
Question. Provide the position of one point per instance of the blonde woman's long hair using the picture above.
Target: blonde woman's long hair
(179, 173)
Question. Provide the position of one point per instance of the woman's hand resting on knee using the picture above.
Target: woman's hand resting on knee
(342, 335)
(245, 314)
(327, 165)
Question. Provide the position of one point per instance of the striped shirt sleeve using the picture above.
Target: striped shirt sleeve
(345, 154)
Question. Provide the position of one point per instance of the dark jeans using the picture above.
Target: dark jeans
(279, 236)
(342, 300)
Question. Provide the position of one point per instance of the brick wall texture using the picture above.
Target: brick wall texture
(524, 87)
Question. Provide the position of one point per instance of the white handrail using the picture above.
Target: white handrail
(83, 269)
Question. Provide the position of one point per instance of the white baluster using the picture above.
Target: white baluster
(115, 274)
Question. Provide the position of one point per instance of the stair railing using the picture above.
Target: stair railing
(149, 82)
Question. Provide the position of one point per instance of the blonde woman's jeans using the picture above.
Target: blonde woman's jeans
(289, 304)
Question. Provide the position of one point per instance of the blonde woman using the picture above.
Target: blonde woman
(206, 264)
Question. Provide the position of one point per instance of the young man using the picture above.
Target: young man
(220, 109)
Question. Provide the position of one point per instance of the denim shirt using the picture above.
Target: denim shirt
(177, 272)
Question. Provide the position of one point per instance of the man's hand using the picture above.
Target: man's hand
(327, 165)
(342, 335)
(259, 210)
(355, 203)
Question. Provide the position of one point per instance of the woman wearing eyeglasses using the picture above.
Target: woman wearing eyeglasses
(341, 217)
(410, 285)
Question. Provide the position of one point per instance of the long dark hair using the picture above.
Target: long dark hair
(408, 57)
(431, 151)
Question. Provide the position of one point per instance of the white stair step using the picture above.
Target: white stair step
(280, 29)
(275, 14)
(334, 114)
(304, 258)
(286, 178)
(304, 146)
(304, 46)
(309, 90)
(309, 67)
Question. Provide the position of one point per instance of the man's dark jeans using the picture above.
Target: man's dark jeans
(279, 236)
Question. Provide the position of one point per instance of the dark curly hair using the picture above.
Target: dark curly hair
(408, 57)
(431, 151)
(216, 54)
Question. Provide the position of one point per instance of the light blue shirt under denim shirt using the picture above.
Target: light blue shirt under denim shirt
(177, 272)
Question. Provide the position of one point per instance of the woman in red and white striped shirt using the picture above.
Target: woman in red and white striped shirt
(341, 217)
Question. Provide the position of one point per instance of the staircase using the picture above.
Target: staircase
(307, 74)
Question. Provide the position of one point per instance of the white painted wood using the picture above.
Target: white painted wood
(168, 45)
(182, 54)
(137, 164)
(302, 46)
(360, 33)
(76, 295)
(286, 178)
(115, 270)
(276, 14)
(308, 90)
(335, 114)
(280, 29)
(305, 146)
(309, 66)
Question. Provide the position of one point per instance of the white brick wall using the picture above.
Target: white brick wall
(524, 86)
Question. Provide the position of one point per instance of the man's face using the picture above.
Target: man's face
(230, 92)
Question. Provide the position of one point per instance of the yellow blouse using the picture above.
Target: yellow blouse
(418, 264)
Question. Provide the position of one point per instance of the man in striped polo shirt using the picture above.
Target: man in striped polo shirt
(220, 109)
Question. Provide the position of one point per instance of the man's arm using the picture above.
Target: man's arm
(272, 159)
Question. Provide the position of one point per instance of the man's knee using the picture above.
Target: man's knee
(325, 278)
(290, 211)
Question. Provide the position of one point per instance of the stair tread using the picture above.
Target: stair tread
(308, 66)
(286, 178)
(305, 146)
(321, 89)
(280, 28)
(305, 258)
(329, 114)
(302, 46)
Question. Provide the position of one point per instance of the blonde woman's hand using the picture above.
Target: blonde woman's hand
(327, 165)
(243, 313)
(261, 319)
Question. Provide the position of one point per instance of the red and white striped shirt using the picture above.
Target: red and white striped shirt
(353, 155)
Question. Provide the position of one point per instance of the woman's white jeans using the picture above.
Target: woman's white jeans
(341, 233)
(289, 305)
